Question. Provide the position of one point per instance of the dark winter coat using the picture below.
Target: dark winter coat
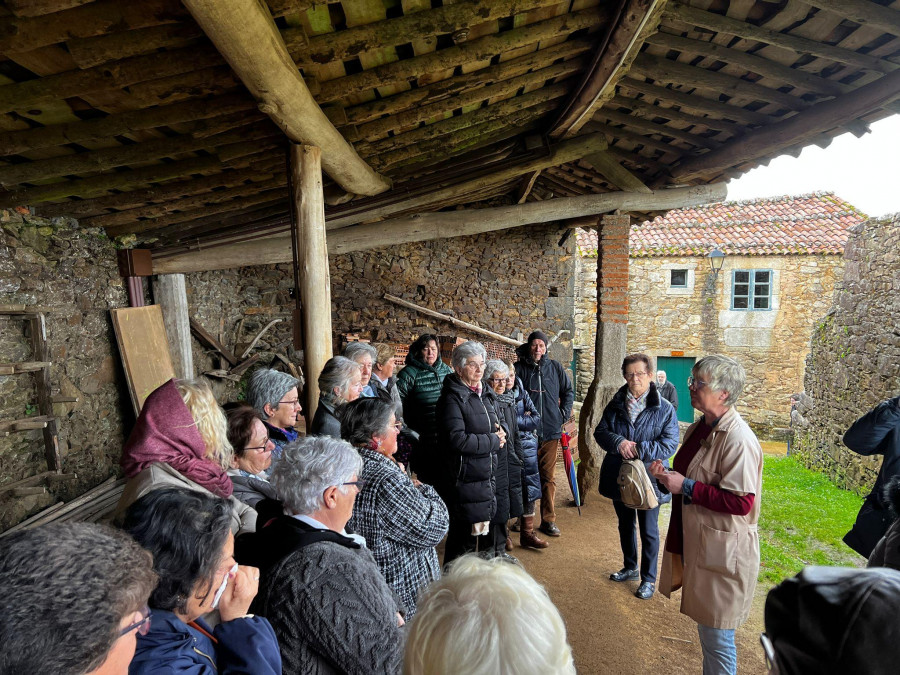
(325, 422)
(551, 392)
(246, 645)
(506, 410)
(875, 433)
(887, 550)
(250, 489)
(528, 419)
(668, 392)
(420, 387)
(326, 600)
(655, 431)
(474, 479)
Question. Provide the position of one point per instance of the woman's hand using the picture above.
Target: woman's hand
(239, 593)
(501, 435)
(672, 480)
(628, 449)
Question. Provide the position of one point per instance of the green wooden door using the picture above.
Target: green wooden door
(678, 369)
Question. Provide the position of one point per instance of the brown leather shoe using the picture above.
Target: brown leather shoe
(527, 537)
(509, 544)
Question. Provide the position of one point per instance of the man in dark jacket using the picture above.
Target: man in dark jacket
(875, 433)
(666, 388)
(548, 385)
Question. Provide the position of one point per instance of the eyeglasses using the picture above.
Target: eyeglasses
(261, 448)
(359, 483)
(694, 383)
(397, 425)
(474, 364)
(143, 626)
(496, 380)
(633, 376)
(295, 402)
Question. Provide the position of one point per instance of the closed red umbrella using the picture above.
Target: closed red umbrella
(571, 474)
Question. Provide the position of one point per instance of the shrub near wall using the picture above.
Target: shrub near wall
(854, 362)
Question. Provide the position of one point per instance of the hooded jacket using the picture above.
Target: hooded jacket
(420, 387)
(529, 420)
(547, 383)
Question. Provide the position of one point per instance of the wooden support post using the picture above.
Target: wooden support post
(308, 211)
(170, 294)
(41, 351)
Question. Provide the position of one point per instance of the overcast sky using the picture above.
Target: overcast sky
(863, 171)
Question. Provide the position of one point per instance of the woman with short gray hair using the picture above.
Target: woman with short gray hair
(712, 549)
(365, 355)
(320, 588)
(339, 382)
(276, 396)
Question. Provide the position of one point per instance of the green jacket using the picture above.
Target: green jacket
(420, 387)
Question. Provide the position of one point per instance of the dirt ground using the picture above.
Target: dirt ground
(610, 630)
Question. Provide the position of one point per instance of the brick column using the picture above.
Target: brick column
(609, 345)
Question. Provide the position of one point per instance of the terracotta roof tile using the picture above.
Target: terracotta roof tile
(807, 224)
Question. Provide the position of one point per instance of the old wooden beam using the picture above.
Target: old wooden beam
(647, 127)
(801, 127)
(205, 337)
(40, 348)
(649, 110)
(40, 7)
(863, 12)
(170, 293)
(238, 28)
(92, 51)
(615, 173)
(311, 255)
(618, 133)
(430, 226)
(459, 323)
(801, 45)
(525, 187)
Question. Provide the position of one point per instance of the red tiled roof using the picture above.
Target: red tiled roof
(808, 224)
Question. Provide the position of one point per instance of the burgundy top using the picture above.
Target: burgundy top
(166, 432)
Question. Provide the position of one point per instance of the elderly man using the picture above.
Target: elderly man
(276, 396)
(365, 355)
(73, 597)
(548, 385)
(666, 388)
(321, 589)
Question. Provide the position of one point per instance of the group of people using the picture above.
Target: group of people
(243, 545)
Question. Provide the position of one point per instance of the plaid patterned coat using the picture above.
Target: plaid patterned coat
(402, 524)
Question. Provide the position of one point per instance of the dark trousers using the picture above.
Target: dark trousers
(460, 541)
(648, 521)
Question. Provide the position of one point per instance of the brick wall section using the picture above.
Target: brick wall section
(73, 271)
(854, 362)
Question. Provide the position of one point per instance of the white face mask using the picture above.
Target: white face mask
(221, 590)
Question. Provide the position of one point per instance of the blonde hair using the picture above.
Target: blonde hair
(209, 419)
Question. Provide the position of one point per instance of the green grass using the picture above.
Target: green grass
(804, 517)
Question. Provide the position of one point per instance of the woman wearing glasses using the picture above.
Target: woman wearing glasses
(401, 519)
(252, 454)
(712, 548)
(276, 396)
(193, 553)
(637, 423)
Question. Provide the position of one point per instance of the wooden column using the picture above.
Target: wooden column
(313, 279)
(170, 294)
(610, 342)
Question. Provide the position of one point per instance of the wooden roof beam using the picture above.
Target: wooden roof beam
(642, 108)
(441, 225)
(802, 127)
(615, 173)
(245, 34)
(863, 12)
(644, 126)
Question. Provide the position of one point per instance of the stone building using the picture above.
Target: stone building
(782, 261)
(854, 362)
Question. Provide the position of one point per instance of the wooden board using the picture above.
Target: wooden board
(144, 347)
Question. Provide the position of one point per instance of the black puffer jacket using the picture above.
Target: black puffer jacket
(474, 481)
(515, 457)
(547, 383)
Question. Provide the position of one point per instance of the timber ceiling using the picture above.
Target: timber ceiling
(123, 114)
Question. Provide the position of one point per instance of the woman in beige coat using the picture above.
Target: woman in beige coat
(712, 547)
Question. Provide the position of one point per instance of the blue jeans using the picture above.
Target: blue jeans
(719, 650)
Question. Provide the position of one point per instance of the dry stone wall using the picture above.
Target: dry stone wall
(53, 263)
(854, 362)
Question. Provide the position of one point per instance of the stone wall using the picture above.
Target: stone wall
(508, 282)
(854, 362)
(697, 320)
(53, 263)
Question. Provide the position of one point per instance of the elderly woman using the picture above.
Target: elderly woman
(339, 382)
(180, 440)
(365, 355)
(321, 588)
(276, 396)
(401, 519)
(252, 454)
(712, 549)
(474, 451)
(419, 384)
(496, 376)
(383, 382)
(528, 421)
(637, 423)
(193, 554)
(480, 598)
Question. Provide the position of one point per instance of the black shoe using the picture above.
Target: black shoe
(550, 529)
(644, 591)
(625, 574)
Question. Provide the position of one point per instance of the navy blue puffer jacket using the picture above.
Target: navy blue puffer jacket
(655, 431)
(529, 421)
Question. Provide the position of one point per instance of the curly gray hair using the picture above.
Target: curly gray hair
(722, 373)
(269, 386)
(308, 467)
(495, 366)
(465, 351)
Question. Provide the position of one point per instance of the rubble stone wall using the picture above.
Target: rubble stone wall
(854, 362)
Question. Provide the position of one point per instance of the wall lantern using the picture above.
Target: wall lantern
(716, 260)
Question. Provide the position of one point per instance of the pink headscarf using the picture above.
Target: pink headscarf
(166, 432)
